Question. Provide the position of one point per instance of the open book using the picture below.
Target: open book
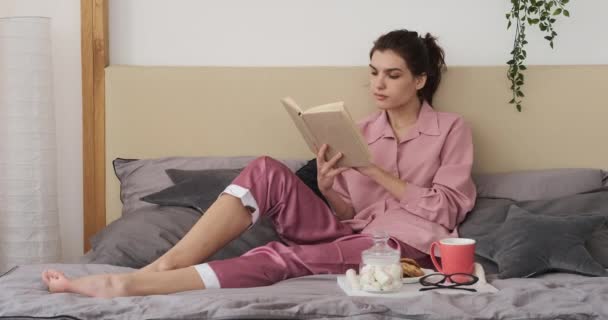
(330, 124)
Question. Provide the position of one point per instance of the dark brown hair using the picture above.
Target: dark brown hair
(422, 55)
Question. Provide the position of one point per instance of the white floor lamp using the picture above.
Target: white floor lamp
(29, 223)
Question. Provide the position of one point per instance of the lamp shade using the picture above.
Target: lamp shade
(29, 223)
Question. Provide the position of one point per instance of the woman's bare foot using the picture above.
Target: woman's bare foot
(56, 281)
(103, 286)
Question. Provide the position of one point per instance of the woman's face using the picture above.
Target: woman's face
(392, 84)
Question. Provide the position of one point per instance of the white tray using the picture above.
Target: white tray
(410, 287)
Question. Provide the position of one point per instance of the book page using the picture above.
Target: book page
(337, 129)
(334, 106)
(295, 113)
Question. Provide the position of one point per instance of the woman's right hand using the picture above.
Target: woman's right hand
(326, 170)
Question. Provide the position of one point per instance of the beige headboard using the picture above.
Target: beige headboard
(226, 111)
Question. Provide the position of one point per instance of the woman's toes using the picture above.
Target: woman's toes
(56, 280)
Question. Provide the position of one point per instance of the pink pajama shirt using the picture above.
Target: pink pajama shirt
(434, 158)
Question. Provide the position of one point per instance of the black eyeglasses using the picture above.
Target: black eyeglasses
(448, 281)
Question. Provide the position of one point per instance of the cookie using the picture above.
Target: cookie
(410, 268)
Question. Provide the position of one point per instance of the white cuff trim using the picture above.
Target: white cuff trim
(208, 275)
(246, 198)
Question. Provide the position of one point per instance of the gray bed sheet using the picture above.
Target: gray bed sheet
(552, 296)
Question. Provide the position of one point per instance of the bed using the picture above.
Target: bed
(540, 160)
(156, 112)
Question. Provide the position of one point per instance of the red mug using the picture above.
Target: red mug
(457, 255)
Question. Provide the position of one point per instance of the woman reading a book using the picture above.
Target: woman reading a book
(418, 190)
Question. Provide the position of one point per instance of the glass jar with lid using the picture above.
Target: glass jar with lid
(380, 269)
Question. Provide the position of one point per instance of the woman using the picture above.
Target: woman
(418, 190)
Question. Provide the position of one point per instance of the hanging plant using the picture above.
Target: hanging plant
(529, 13)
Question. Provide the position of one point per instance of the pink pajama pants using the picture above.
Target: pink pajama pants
(318, 243)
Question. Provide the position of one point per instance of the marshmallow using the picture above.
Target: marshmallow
(377, 286)
(353, 279)
(367, 269)
(382, 277)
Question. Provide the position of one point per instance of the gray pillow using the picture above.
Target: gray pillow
(527, 245)
(196, 189)
(141, 177)
(139, 238)
(538, 184)
(145, 230)
(307, 174)
(489, 214)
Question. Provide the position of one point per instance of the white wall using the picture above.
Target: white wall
(336, 32)
(65, 15)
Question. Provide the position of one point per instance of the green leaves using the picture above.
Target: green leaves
(541, 13)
